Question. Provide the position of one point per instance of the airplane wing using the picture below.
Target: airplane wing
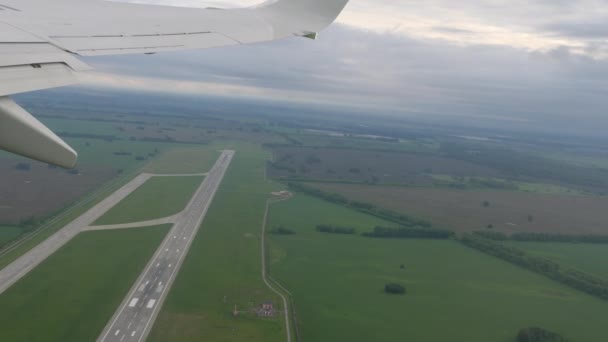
(41, 39)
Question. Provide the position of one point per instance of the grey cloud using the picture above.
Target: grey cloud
(431, 79)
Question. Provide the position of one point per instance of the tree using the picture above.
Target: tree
(394, 288)
(535, 334)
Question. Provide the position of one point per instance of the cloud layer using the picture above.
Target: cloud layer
(521, 63)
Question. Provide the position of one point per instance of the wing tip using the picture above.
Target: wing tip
(22, 134)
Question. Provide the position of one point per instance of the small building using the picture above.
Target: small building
(283, 193)
(266, 309)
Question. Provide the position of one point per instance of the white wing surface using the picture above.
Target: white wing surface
(40, 39)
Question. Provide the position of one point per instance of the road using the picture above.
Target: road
(136, 314)
(28, 261)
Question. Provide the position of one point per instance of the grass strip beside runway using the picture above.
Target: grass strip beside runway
(157, 198)
(73, 294)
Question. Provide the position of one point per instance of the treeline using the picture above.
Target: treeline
(542, 237)
(473, 182)
(573, 278)
(409, 233)
(364, 207)
(326, 228)
(103, 137)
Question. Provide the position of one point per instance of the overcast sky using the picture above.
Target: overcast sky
(536, 63)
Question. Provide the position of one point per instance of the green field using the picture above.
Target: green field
(590, 258)
(222, 268)
(454, 293)
(72, 295)
(184, 160)
(157, 198)
(82, 126)
(9, 233)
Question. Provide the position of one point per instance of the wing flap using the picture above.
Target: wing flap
(143, 43)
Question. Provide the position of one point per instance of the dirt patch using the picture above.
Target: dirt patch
(42, 190)
(505, 211)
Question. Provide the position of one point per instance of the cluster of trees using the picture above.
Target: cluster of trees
(492, 235)
(573, 278)
(409, 233)
(542, 237)
(326, 228)
(367, 208)
(280, 230)
(334, 198)
(535, 334)
(394, 288)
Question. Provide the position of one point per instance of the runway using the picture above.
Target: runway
(28, 261)
(136, 314)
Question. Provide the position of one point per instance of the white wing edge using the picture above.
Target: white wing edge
(23, 134)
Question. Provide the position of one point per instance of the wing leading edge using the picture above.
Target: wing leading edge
(39, 40)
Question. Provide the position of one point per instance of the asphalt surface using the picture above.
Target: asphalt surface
(28, 261)
(136, 314)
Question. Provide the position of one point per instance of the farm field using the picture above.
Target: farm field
(453, 293)
(590, 258)
(222, 268)
(157, 198)
(368, 166)
(507, 211)
(72, 294)
(40, 191)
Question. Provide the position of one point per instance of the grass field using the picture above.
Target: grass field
(72, 295)
(9, 233)
(222, 268)
(454, 293)
(590, 258)
(507, 211)
(184, 160)
(156, 198)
